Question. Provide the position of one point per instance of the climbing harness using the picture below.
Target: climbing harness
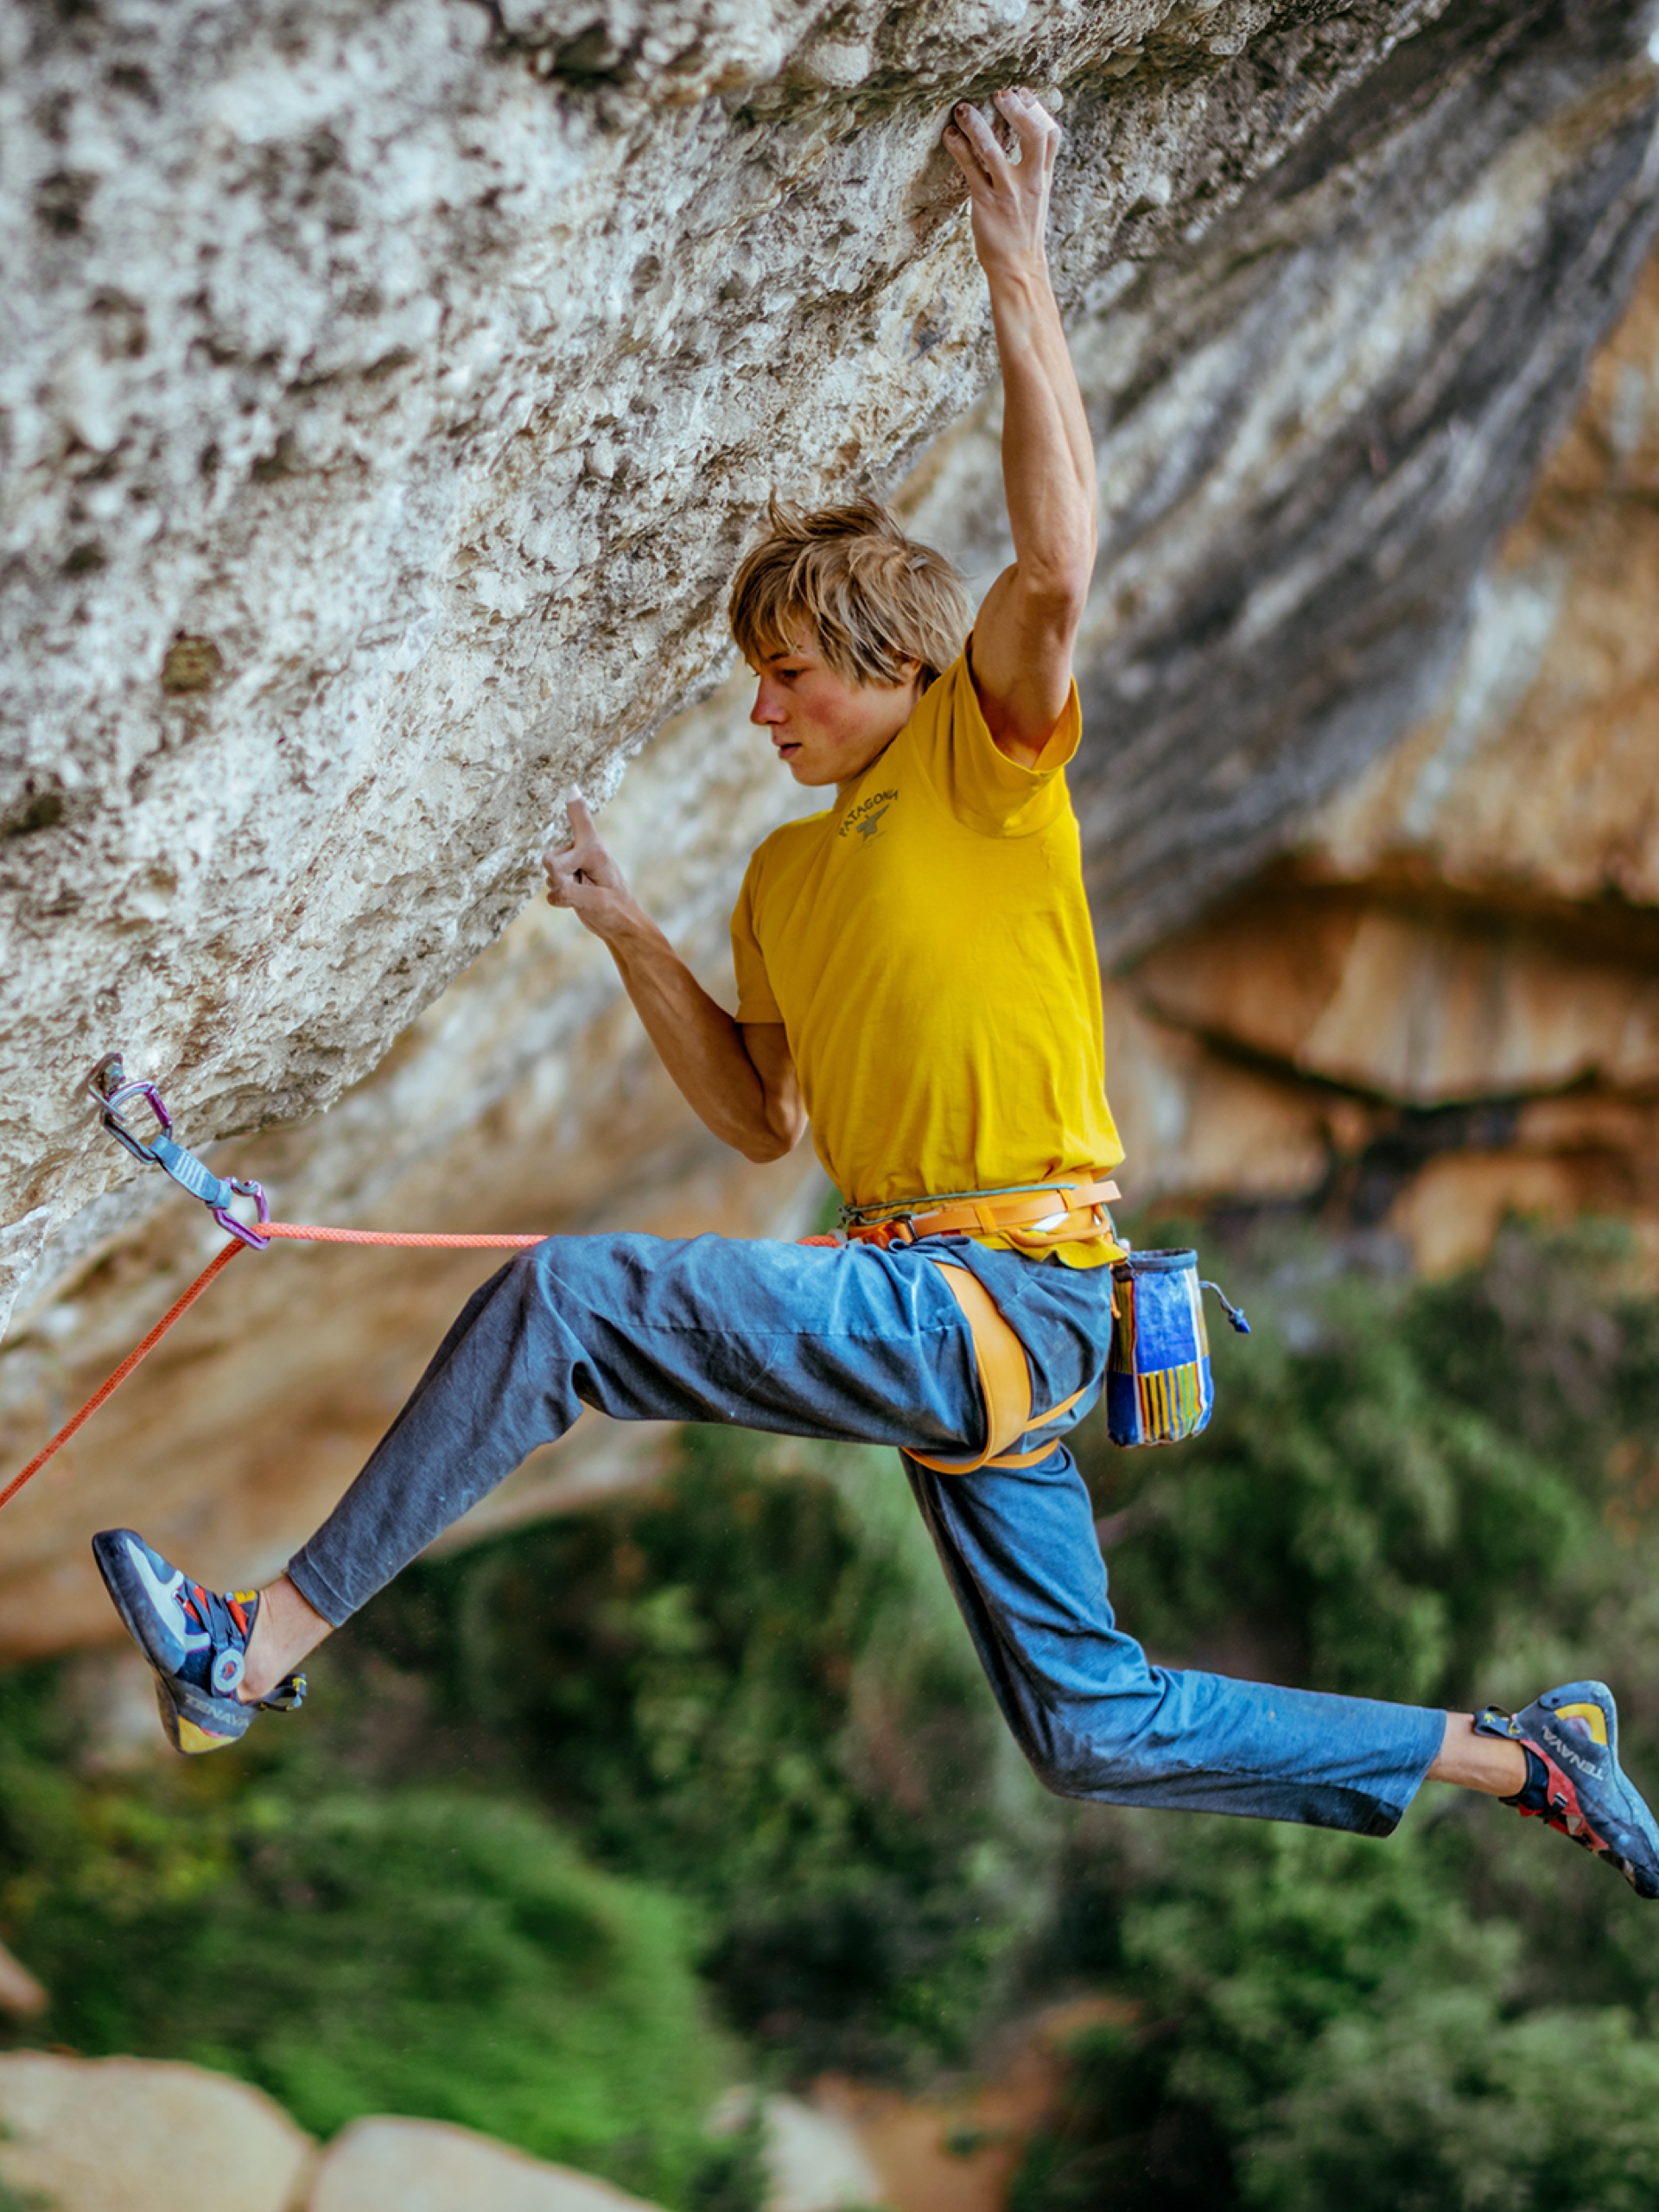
(1004, 1383)
(1057, 1213)
(1159, 1387)
(1028, 1207)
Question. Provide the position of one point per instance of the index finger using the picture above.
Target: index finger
(981, 140)
(576, 814)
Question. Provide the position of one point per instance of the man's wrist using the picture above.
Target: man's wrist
(630, 930)
(1024, 271)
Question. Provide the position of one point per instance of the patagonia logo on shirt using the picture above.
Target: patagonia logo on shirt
(866, 816)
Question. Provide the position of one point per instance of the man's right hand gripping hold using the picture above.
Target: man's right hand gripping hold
(917, 982)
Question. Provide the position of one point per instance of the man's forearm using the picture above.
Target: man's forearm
(1048, 461)
(698, 1043)
(1027, 625)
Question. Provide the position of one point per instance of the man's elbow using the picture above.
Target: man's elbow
(1056, 589)
(761, 1146)
(761, 1151)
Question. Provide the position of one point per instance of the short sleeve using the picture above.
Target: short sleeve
(979, 784)
(755, 1002)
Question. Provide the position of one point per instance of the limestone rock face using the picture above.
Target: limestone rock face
(392, 391)
(389, 392)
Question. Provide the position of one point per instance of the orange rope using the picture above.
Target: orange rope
(297, 1230)
(293, 1230)
(107, 1389)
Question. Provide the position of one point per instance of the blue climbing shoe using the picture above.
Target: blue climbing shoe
(195, 1640)
(1575, 1781)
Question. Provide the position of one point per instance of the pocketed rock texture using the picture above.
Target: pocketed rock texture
(388, 393)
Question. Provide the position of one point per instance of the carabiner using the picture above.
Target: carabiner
(108, 1086)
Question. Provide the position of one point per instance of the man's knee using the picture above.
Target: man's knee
(1065, 1770)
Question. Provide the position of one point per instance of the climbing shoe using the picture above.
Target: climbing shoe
(195, 1640)
(1575, 1781)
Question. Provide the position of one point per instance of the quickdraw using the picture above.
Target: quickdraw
(111, 1090)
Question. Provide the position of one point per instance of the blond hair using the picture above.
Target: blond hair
(874, 598)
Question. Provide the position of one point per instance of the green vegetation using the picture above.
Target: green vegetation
(753, 1688)
(572, 1808)
(405, 1949)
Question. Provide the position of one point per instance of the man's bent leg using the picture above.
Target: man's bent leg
(1097, 1720)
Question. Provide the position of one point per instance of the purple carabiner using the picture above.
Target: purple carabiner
(109, 1086)
(226, 1219)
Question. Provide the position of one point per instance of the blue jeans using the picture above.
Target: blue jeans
(862, 1345)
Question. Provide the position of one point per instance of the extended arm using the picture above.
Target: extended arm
(1024, 635)
(739, 1079)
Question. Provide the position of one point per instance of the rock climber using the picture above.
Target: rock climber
(917, 981)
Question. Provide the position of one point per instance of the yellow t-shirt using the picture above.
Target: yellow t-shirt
(928, 948)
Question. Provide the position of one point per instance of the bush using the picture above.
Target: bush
(1444, 2104)
(752, 1685)
(416, 1950)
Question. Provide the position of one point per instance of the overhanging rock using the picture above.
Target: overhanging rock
(389, 390)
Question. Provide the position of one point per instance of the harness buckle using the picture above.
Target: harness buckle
(111, 1091)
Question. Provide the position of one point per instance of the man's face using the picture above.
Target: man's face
(825, 728)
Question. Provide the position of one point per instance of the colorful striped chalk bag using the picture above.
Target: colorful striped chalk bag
(1159, 1387)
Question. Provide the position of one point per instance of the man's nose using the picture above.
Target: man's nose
(767, 708)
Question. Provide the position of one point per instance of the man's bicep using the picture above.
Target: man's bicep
(767, 1044)
(1021, 664)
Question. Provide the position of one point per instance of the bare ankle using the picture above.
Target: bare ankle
(285, 1629)
(1491, 1764)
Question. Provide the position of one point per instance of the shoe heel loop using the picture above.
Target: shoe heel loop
(287, 1696)
(1491, 1721)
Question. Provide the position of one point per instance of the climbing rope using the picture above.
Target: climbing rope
(112, 1384)
(421, 1239)
(294, 1231)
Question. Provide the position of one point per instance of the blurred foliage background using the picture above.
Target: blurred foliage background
(704, 1786)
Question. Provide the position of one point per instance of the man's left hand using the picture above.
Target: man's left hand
(1010, 197)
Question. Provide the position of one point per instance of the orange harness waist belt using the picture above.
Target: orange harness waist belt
(1060, 1213)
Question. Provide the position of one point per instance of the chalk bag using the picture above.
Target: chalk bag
(1159, 1386)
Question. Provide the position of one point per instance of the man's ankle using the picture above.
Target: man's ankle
(1490, 1764)
(285, 1628)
